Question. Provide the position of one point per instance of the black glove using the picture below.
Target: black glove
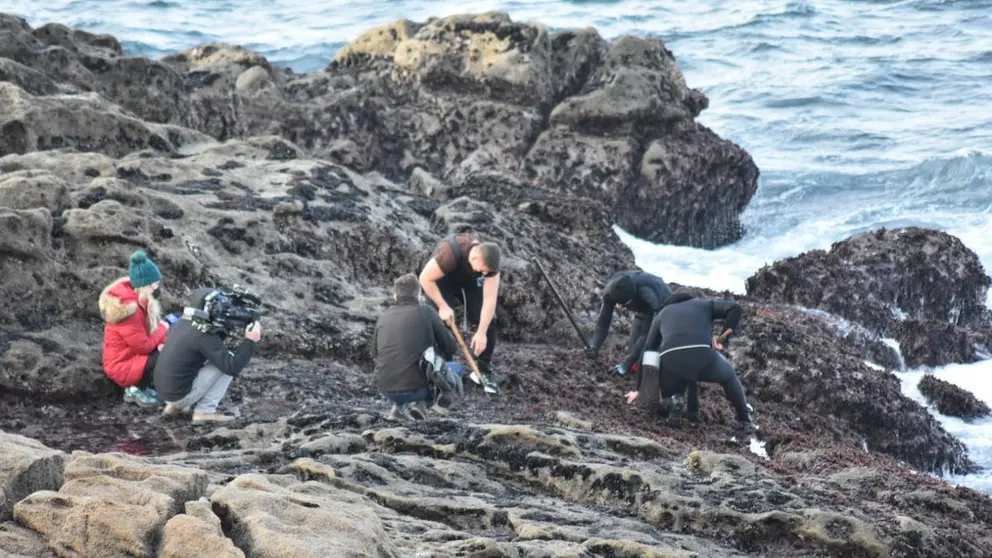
(591, 353)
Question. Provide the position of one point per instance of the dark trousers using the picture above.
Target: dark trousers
(681, 369)
(639, 328)
(408, 396)
(148, 375)
(692, 398)
(472, 293)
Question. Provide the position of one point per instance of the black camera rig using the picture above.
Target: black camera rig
(227, 310)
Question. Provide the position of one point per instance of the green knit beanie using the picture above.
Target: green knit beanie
(143, 272)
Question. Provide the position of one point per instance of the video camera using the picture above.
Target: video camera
(227, 310)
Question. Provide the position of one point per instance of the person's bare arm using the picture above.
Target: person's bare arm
(490, 292)
(429, 277)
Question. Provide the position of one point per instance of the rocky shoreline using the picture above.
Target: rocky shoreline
(317, 190)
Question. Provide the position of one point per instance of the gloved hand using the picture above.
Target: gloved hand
(591, 353)
(620, 370)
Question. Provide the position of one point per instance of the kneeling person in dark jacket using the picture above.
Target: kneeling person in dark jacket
(402, 334)
(195, 368)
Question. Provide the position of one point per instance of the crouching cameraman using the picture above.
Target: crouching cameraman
(195, 367)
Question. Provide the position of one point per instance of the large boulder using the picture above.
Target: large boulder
(326, 521)
(951, 400)
(77, 61)
(26, 466)
(880, 277)
(566, 110)
(85, 121)
(110, 505)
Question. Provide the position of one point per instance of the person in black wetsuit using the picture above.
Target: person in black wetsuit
(681, 345)
(640, 292)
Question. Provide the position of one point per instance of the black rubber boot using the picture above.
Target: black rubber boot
(747, 424)
(676, 409)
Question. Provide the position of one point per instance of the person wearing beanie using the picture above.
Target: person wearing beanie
(134, 330)
(143, 272)
(640, 292)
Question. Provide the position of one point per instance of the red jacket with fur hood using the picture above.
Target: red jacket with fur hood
(132, 332)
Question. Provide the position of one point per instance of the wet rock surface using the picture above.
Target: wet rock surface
(951, 400)
(452, 486)
(878, 277)
(933, 343)
(317, 190)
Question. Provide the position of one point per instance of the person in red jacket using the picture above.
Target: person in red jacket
(134, 331)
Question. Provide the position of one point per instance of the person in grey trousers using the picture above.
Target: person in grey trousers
(195, 367)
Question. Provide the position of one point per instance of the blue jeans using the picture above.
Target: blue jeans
(209, 388)
(409, 396)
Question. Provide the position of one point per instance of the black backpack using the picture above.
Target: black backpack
(445, 385)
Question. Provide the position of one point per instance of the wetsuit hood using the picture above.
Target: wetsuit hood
(622, 290)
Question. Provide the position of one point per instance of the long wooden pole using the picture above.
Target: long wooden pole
(562, 302)
(468, 354)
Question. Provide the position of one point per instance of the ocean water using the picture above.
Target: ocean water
(860, 114)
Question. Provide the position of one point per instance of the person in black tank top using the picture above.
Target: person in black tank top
(463, 268)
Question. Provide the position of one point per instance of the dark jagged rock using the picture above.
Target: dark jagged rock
(876, 278)
(933, 343)
(951, 400)
(794, 366)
